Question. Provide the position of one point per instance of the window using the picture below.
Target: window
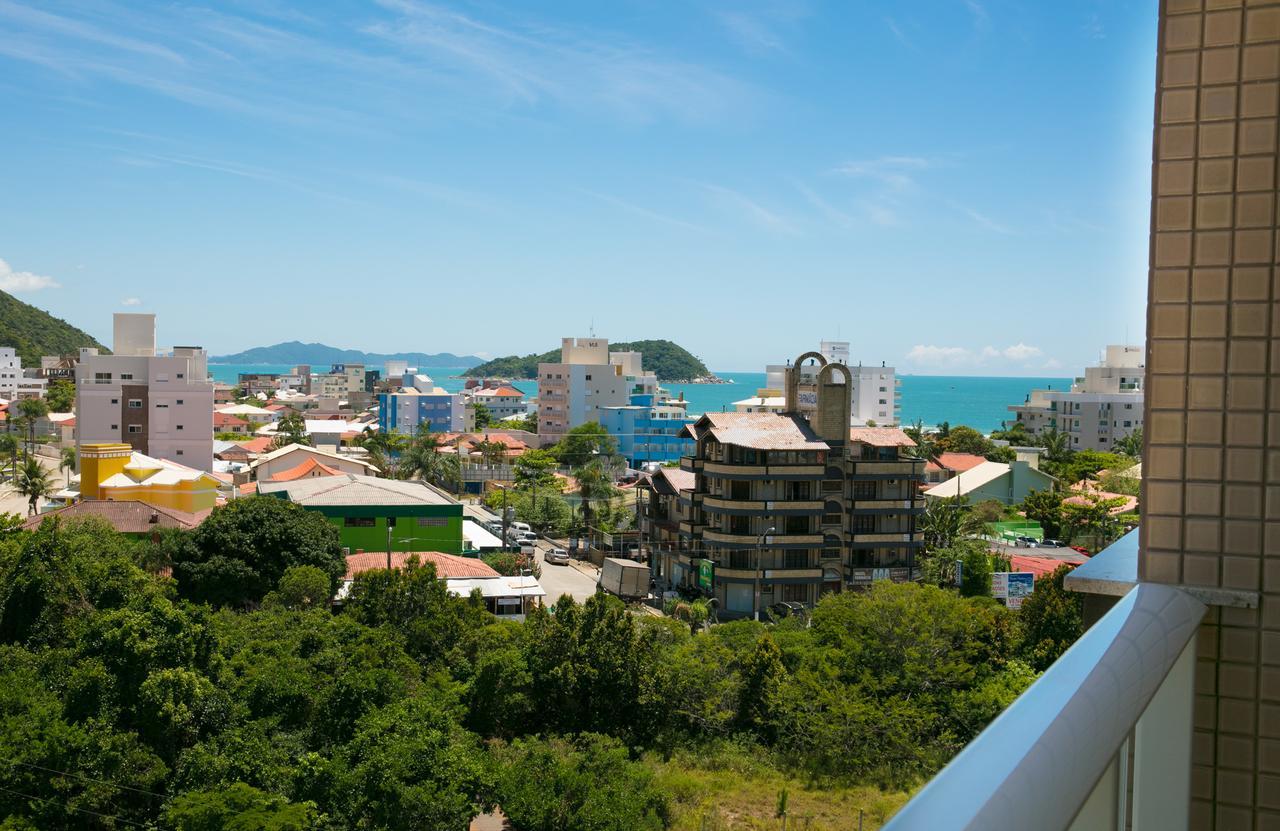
(179, 402)
(135, 403)
(796, 524)
(135, 428)
(179, 426)
(588, 377)
(180, 375)
(864, 524)
(179, 452)
(126, 376)
(102, 377)
(115, 426)
(797, 592)
(358, 522)
(391, 522)
(739, 559)
(115, 401)
(795, 559)
(432, 522)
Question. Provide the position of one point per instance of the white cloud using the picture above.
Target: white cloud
(131, 301)
(939, 356)
(955, 357)
(893, 171)
(11, 280)
(987, 222)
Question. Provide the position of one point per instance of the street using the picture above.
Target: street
(560, 580)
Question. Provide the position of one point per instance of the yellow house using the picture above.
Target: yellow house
(116, 471)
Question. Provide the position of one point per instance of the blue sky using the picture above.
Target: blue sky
(956, 187)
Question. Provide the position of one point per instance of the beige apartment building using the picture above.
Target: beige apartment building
(1099, 409)
(587, 378)
(161, 404)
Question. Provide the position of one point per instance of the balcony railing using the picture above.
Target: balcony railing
(1101, 741)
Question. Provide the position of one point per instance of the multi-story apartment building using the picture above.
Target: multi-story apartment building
(649, 429)
(785, 508)
(501, 400)
(873, 391)
(420, 400)
(1100, 409)
(160, 404)
(10, 372)
(587, 379)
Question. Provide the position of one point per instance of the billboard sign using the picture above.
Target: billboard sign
(1012, 586)
(706, 575)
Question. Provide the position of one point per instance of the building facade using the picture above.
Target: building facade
(501, 400)
(873, 391)
(1100, 409)
(10, 372)
(649, 429)
(421, 401)
(587, 379)
(160, 404)
(784, 507)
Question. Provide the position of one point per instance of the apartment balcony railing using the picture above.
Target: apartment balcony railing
(1101, 741)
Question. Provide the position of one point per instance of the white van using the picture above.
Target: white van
(522, 527)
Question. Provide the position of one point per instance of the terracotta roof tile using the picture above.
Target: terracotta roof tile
(759, 431)
(127, 516)
(881, 436)
(309, 467)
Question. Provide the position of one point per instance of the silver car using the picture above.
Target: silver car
(556, 556)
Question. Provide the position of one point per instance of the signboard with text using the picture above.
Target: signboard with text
(1012, 586)
(706, 575)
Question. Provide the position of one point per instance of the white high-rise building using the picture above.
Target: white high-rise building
(10, 372)
(873, 395)
(588, 378)
(1100, 409)
(159, 403)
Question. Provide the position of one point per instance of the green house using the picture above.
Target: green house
(420, 517)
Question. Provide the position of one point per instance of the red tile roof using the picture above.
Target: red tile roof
(1042, 566)
(228, 420)
(309, 467)
(447, 565)
(262, 444)
(955, 462)
(248, 488)
(127, 516)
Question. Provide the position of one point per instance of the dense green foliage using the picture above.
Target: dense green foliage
(415, 709)
(668, 360)
(61, 396)
(35, 333)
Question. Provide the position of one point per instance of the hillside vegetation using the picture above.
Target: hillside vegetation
(318, 354)
(669, 361)
(35, 333)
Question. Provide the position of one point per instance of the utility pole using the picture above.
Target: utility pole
(759, 555)
(388, 521)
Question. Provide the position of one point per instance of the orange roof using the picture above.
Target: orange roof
(447, 565)
(128, 516)
(259, 445)
(505, 391)
(228, 420)
(309, 468)
(1042, 566)
(248, 489)
(956, 462)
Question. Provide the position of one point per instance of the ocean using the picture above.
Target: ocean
(981, 403)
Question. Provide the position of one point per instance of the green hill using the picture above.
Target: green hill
(35, 333)
(667, 360)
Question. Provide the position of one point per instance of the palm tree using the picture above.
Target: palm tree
(33, 482)
(492, 452)
(67, 463)
(594, 483)
(32, 410)
(9, 447)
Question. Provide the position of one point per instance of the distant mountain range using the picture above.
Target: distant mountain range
(318, 354)
(35, 333)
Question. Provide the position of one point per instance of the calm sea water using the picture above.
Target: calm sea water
(979, 402)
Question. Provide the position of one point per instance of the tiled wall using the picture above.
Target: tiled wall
(1211, 497)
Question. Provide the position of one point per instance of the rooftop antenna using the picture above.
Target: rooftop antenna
(592, 327)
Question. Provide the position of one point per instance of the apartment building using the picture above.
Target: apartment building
(649, 429)
(10, 372)
(501, 400)
(587, 379)
(874, 396)
(786, 507)
(419, 401)
(1100, 409)
(159, 403)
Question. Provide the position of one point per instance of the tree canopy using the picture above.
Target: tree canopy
(667, 360)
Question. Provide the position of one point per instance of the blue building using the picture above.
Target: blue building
(648, 429)
(421, 401)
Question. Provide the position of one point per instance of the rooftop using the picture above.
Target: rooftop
(759, 431)
(881, 437)
(447, 565)
(127, 516)
(351, 489)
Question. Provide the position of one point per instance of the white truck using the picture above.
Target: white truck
(625, 578)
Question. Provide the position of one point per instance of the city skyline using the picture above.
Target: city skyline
(405, 167)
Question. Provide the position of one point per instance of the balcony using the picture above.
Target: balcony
(892, 469)
(747, 507)
(754, 541)
(732, 471)
(887, 506)
(1102, 740)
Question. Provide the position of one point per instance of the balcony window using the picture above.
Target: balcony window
(740, 559)
(795, 559)
(864, 524)
(796, 525)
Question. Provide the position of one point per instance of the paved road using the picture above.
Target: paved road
(558, 580)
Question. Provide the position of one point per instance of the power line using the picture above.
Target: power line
(88, 779)
(73, 808)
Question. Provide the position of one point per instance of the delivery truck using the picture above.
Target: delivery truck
(625, 578)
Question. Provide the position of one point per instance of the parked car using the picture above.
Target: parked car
(526, 537)
(556, 556)
(1082, 550)
(1027, 542)
(1048, 543)
(520, 526)
(787, 608)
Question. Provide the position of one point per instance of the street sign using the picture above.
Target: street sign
(706, 575)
